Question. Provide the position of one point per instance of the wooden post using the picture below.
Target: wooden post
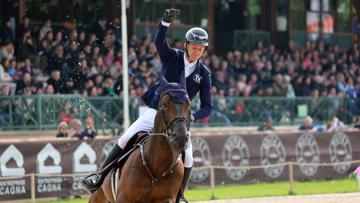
(212, 182)
(291, 178)
(33, 187)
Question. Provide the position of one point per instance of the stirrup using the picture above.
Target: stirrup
(90, 184)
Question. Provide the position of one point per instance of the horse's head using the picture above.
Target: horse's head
(174, 108)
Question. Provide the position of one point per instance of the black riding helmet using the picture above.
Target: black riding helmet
(197, 35)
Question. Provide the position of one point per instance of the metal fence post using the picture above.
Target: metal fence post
(212, 182)
(291, 178)
(39, 110)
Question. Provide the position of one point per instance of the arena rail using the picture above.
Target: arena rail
(290, 166)
(45, 111)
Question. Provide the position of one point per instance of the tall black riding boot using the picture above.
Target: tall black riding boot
(180, 196)
(92, 184)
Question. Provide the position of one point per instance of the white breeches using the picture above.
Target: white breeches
(145, 123)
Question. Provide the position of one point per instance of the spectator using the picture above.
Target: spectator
(100, 29)
(55, 81)
(116, 27)
(335, 125)
(49, 89)
(12, 68)
(63, 129)
(4, 105)
(89, 131)
(4, 67)
(56, 60)
(7, 32)
(46, 28)
(28, 46)
(357, 122)
(28, 68)
(289, 90)
(24, 26)
(307, 125)
(355, 25)
(76, 129)
(7, 50)
(22, 84)
(267, 125)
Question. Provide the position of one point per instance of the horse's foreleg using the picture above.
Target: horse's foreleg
(98, 197)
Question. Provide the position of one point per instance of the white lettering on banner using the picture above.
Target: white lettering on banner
(12, 153)
(12, 187)
(49, 188)
(84, 150)
(46, 184)
(13, 190)
(46, 152)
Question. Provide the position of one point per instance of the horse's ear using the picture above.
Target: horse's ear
(163, 80)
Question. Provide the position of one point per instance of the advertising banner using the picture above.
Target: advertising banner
(59, 164)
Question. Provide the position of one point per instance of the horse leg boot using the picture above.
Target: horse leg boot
(180, 196)
(93, 184)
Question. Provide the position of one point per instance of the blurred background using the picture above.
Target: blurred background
(303, 56)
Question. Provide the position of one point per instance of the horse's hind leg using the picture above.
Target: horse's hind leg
(98, 197)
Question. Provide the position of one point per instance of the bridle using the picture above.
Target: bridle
(169, 125)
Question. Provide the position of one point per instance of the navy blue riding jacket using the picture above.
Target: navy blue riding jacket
(173, 70)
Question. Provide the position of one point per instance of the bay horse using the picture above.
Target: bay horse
(154, 171)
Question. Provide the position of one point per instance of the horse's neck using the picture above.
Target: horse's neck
(159, 154)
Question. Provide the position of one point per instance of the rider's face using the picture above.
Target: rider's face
(195, 51)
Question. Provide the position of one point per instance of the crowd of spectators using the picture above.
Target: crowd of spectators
(89, 63)
(76, 129)
(66, 59)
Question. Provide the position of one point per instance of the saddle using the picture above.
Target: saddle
(139, 138)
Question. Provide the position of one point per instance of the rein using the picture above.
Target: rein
(169, 171)
(168, 126)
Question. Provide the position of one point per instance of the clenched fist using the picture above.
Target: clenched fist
(170, 15)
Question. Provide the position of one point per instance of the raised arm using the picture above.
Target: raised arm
(162, 46)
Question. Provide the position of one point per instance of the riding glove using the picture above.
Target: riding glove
(170, 15)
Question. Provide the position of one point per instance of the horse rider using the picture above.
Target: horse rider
(180, 66)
